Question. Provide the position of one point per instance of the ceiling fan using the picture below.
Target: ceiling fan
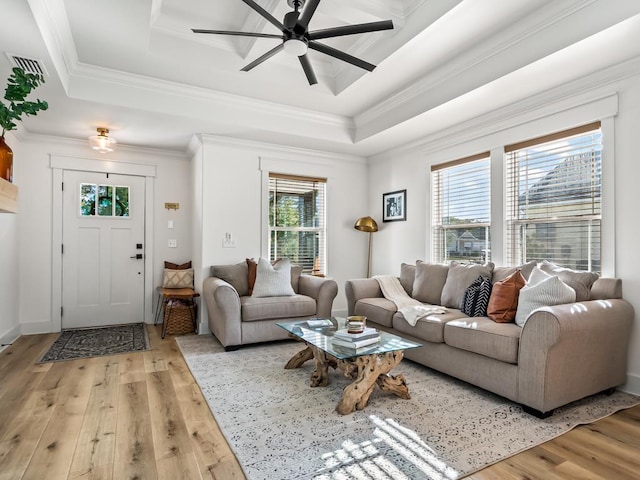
(296, 37)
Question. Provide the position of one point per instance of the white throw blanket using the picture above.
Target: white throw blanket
(410, 308)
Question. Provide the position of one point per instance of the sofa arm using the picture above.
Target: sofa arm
(223, 308)
(570, 351)
(360, 288)
(323, 290)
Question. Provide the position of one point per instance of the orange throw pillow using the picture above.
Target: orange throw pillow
(503, 302)
(252, 266)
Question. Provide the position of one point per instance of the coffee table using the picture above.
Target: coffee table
(368, 366)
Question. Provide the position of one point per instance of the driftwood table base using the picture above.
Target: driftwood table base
(366, 370)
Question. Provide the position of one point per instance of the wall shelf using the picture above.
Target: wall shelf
(8, 197)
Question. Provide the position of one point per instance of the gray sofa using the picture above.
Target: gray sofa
(236, 318)
(561, 354)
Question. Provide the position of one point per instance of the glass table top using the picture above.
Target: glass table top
(319, 333)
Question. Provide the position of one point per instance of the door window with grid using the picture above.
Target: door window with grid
(297, 226)
(554, 199)
(461, 210)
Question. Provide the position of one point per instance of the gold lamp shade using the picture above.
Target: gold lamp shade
(369, 225)
(366, 224)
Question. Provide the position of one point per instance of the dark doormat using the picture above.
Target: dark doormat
(97, 342)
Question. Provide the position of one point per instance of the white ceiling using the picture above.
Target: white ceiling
(136, 67)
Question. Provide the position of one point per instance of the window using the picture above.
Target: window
(103, 200)
(297, 221)
(461, 210)
(554, 199)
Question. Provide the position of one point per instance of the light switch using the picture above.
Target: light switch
(170, 224)
(172, 243)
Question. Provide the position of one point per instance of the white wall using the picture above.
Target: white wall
(232, 200)
(9, 316)
(33, 175)
(410, 169)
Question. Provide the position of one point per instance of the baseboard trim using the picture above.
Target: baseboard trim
(33, 328)
(632, 385)
(9, 337)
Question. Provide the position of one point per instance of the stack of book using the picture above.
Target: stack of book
(369, 336)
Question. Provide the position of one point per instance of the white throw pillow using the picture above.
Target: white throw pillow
(273, 281)
(542, 290)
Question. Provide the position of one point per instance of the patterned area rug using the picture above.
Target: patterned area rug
(96, 342)
(280, 428)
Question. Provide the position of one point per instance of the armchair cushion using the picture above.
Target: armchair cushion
(235, 275)
(267, 308)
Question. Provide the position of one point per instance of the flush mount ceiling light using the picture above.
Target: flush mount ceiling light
(101, 142)
(296, 37)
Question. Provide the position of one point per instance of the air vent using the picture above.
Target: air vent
(29, 65)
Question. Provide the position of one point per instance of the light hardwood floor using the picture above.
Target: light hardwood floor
(142, 416)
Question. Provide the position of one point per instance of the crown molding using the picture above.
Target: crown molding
(368, 122)
(599, 86)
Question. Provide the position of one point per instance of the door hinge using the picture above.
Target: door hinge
(61, 311)
(62, 186)
(62, 248)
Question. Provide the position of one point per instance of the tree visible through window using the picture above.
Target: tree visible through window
(297, 221)
(554, 199)
(461, 210)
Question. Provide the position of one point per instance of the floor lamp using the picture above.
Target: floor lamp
(369, 225)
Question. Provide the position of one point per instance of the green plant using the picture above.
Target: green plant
(19, 85)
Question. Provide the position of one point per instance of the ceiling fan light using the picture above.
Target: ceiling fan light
(295, 47)
(101, 142)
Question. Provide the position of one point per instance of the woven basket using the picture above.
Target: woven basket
(179, 319)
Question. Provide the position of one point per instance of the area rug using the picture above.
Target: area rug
(280, 428)
(96, 342)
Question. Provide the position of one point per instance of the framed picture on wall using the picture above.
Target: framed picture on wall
(394, 206)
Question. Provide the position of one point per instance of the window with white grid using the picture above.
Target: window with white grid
(297, 225)
(553, 192)
(461, 210)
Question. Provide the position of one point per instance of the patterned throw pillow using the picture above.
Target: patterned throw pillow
(178, 278)
(476, 298)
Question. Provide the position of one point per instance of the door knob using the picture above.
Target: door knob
(137, 256)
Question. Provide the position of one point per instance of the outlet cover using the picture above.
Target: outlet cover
(172, 243)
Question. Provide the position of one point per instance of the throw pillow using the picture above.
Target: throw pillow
(503, 303)
(580, 281)
(547, 292)
(234, 275)
(500, 273)
(459, 278)
(178, 278)
(429, 282)
(273, 280)
(175, 266)
(252, 268)
(476, 298)
(407, 277)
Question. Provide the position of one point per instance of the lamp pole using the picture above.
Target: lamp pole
(369, 225)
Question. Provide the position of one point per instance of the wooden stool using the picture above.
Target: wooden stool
(165, 295)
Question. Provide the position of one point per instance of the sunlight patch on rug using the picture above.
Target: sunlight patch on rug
(280, 428)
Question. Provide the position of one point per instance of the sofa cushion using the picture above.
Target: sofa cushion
(476, 298)
(500, 273)
(580, 281)
(407, 277)
(541, 291)
(484, 336)
(235, 275)
(503, 303)
(269, 308)
(459, 278)
(429, 328)
(273, 280)
(378, 309)
(429, 282)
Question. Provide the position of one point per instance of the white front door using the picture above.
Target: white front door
(103, 249)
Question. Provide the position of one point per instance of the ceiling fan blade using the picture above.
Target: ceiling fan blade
(351, 30)
(345, 57)
(305, 18)
(238, 34)
(262, 58)
(308, 69)
(265, 14)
